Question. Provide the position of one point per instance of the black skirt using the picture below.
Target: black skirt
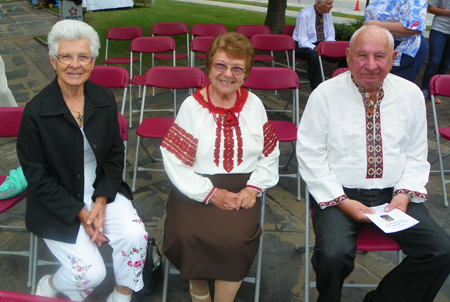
(206, 242)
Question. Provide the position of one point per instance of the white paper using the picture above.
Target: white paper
(393, 221)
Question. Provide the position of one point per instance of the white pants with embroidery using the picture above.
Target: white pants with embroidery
(82, 266)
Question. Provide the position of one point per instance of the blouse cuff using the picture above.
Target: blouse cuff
(210, 194)
(333, 202)
(256, 189)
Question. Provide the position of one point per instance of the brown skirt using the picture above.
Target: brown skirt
(206, 242)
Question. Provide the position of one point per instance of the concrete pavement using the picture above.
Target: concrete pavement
(28, 71)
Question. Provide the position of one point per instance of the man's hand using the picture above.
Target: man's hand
(399, 201)
(246, 198)
(356, 210)
(224, 200)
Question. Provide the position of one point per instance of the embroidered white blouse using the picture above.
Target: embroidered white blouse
(194, 146)
(335, 144)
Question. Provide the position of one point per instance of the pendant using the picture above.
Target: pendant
(80, 117)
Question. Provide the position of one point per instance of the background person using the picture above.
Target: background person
(220, 154)
(72, 156)
(6, 97)
(439, 52)
(314, 24)
(365, 147)
(405, 20)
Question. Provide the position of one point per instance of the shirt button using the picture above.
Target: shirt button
(94, 146)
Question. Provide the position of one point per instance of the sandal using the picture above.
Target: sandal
(194, 296)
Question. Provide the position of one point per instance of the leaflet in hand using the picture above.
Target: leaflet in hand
(393, 221)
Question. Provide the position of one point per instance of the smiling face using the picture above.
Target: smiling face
(74, 74)
(225, 83)
(370, 57)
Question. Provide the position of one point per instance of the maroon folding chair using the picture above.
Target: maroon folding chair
(171, 29)
(112, 77)
(121, 34)
(252, 29)
(203, 30)
(6, 296)
(10, 118)
(339, 71)
(331, 49)
(269, 42)
(200, 45)
(167, 77)
(440, 86)
(288, 30)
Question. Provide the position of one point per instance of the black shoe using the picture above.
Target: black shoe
(370, 297)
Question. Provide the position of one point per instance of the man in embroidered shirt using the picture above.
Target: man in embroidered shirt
(362, 142)
(314, 25)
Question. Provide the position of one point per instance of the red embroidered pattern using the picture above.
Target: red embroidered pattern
(227, 129)
(181, 144)
(210, 194)
(254, 188)
(374, 144)
(270, 138)
(333, 202)
(411, 193)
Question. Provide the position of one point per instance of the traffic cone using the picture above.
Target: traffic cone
(357, 5)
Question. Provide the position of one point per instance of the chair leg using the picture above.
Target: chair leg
(307, 260)
(35, 263)
(133, 187)
(441, 169)
(166, 279)
(260, 249)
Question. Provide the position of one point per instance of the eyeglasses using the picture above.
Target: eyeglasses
(235, 70)
(68, 59)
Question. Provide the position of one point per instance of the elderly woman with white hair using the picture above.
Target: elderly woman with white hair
(71, 153)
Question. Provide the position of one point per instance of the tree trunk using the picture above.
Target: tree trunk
(275, 18)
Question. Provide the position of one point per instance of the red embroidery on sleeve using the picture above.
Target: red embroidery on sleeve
(270, 139)
(181, 144)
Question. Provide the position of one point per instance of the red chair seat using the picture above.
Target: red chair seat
(125, 60)
(6, 204)
(373, 239)
(156, 127)
(445, 132)
(138, 80)
(286, 131)
(19, 297)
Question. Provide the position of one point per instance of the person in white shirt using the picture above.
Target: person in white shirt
(6, 97)
(314, 24)
(362, 142)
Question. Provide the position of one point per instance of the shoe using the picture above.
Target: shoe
(43, 288)
(194, 296)
(370, 297)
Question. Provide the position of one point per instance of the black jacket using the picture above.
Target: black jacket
(50, 150)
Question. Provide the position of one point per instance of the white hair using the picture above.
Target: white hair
(72, 30)
(388, 34)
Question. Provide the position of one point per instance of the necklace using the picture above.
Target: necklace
(227, 118)
(80, 116)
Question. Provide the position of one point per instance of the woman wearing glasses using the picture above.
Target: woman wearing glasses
(72, 156)
(221, 154)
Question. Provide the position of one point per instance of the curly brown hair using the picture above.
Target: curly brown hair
(234, 45)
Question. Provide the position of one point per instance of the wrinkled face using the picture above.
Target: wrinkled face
(226, 82)
(324, 6)
(73, 74)
(370, 58)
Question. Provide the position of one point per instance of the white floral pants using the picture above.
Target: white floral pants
(82, 266)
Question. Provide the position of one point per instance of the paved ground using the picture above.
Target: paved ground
(28, 71)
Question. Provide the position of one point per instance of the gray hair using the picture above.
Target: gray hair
(72, 30)
(388, 34)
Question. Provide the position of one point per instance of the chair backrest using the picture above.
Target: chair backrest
(208, 30)
(123, 127)
(10, 118)
(124, 33)
(440, 85)
(201, 44)
(270, 78)
(288, 30)
(339, 71)
(271, 42)
(251, 30)
(110, 76)
(333, 49)
(170, 28)
(174, 77)
(152, 44)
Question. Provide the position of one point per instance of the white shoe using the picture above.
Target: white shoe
(43, 288)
